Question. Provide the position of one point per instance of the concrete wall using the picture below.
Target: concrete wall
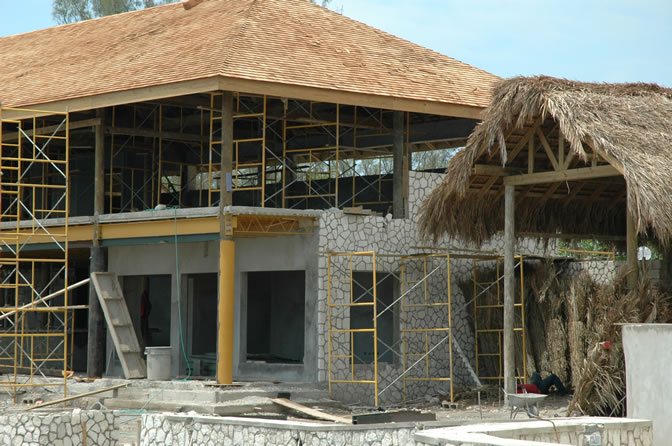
(277, 254)
(252, 254)
(648, 361)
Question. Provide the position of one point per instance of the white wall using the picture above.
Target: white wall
(648, 361)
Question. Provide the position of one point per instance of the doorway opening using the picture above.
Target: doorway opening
(276, 316)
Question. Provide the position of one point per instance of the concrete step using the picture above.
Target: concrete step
(167, 394)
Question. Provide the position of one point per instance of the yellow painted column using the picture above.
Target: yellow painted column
(225, 310)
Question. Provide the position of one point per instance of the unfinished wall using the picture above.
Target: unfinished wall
(290, 253)
(350, 233)
(648, 360)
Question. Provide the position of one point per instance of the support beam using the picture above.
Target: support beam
(509, 285)
(400, 171)
(95, 364)
(226, 302)
(583, 173)
(631, 249)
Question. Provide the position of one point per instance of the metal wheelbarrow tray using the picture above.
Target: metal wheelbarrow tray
(525, 402)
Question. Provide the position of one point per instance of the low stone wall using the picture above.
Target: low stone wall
(564, 431)
(168, 429)
(210, 431)
(59, 428)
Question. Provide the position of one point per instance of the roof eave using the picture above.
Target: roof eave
(221, 83)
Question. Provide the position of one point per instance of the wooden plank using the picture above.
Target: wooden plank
(531, 149)
(114, 308)
(313, 413)
(584, 173)
(631, 248)
(46, 298)
(74, 397)
(396, 416)
(519, 147)
(547, 149)
(491, 170)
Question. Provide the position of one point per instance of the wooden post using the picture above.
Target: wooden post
(226, 306)
(509, 285)
(631, 250)
(400, 167)
(96, 343)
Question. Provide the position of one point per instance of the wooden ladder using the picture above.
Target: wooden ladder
(119, 323)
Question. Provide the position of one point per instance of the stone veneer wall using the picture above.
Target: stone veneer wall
(169, 429)
(340, 232)
(226, 431)
(580, 431)
(59, 428)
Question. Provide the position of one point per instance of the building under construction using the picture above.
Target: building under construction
(246, 170)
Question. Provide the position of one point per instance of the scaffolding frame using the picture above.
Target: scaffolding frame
(34, 163)
(332, 306)
(426, 303)
(313, 158)
(266, 158)
(480, 290)
(409, 360)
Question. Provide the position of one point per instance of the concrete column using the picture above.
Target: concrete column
(631, 250)
(400, 167)
(226, 302)
(509, 285)
(95, 364)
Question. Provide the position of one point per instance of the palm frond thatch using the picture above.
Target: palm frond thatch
(628, 124)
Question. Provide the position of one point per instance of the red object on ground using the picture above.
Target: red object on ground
(606, 344)
(529, 388)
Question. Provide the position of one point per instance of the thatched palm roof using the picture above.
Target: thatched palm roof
(629, 125)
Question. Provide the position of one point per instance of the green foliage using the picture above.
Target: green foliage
(68, 11)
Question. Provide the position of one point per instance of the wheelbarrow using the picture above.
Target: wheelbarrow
(524, 402)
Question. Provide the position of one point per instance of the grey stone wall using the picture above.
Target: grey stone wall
(168, 429)
(59, 428)
(390, 239)
(565, 431)
(210, 431)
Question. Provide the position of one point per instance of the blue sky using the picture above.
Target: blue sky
(588, 40)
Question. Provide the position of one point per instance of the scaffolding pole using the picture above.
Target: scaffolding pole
(36, 332)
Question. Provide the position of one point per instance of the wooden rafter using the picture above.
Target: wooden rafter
(547, 149)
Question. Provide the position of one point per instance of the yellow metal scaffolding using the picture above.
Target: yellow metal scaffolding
(310, 164)
(488, 298)
(341, 338)
(417, 296)
(424, 341)
(36, 329)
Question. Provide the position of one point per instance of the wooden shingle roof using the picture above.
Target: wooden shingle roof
(288, 42)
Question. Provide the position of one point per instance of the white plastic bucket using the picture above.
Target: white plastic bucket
(159, 362)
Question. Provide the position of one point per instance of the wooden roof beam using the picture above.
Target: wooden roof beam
(583, 173)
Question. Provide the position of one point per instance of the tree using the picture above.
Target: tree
(68, 11)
